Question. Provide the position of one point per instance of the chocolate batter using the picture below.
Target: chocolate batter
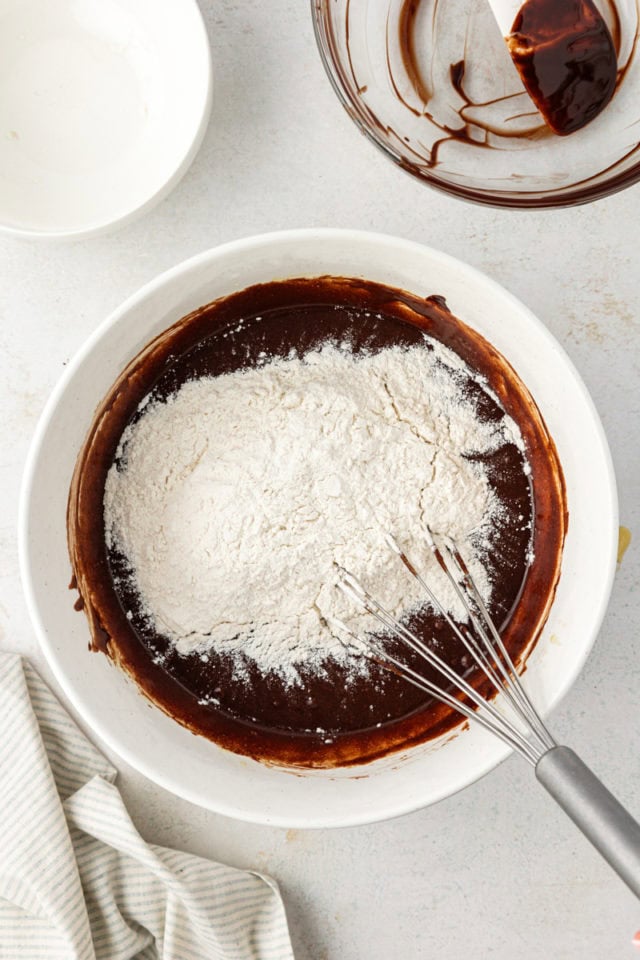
(566, 57)
(335, 718)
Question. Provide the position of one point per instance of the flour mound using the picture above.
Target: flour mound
(232, 499)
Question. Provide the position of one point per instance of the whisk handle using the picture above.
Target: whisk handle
(594, 810)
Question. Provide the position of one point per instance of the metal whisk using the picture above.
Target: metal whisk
(514, 719)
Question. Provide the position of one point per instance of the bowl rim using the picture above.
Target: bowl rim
(101, 729)
(547, 200)
(191, 149)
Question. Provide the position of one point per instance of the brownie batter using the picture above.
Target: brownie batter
(566, 57)
(336, 717)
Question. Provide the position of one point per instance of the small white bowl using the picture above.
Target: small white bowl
(195, 768)
(103, 105)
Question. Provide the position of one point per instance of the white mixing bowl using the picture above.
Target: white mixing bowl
(103, 105)
(193, 767)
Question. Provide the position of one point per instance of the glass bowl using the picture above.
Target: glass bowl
(431, 83)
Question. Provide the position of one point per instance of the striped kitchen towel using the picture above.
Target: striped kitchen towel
(78, 882)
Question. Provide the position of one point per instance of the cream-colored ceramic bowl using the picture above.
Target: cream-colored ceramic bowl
(195, 768)
(103, 105)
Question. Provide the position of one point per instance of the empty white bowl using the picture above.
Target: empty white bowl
(195, 768)
(103, 105)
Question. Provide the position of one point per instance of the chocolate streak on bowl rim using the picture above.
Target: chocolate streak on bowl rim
(348, 93)
(108, 621)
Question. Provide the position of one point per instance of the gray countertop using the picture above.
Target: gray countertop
(496, 871)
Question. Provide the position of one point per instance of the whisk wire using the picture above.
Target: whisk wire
(528, 734)
(463, 635)
(502, 684)
(508, 682)
(354, 589)
(497, 722)
(511, 677)
(395, 666)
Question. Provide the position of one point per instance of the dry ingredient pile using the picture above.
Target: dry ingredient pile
(232, 499)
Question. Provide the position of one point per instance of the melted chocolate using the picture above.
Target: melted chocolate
(566, 57)
(332, 718)
(564, 52)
